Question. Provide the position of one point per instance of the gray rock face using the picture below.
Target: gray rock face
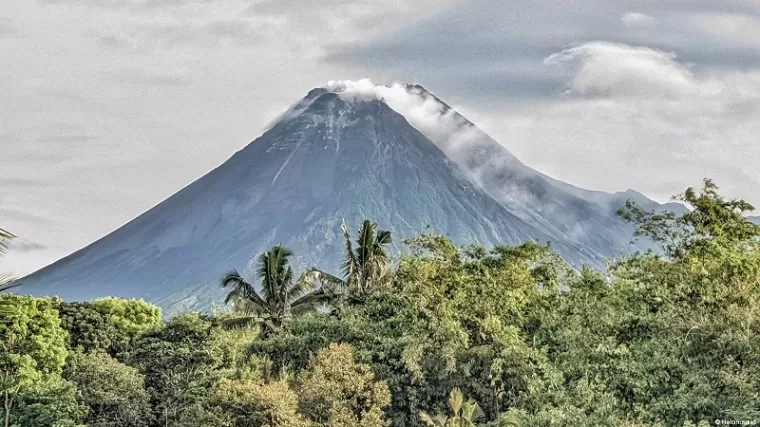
(325, 160)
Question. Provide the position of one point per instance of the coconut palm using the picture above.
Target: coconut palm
(365, 266)
(280, 298)
(5, 236)
(6, 280)
(463, 414)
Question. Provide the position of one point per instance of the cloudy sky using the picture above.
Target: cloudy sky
(110, 106)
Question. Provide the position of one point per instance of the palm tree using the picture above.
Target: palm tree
(366, 266)
(6, 280)
(281, 297)
(5, 236)
(463, 414)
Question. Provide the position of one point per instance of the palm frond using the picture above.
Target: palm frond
(365, 242)
(326, 279)
(246, 305)
(372, 256)
(233, 279)
(265, 274)
(471, 411)
(310, 302)
(270, 327)
(511, 418)
(379, 266)
(242, 291)
(380, 258)
(300, 287)
(437, 420)
(287, 285)
(456, 398)
(350, 265)
(7, 281)
(275, 272)
(241, 322)
(5, 236)
(383, 238)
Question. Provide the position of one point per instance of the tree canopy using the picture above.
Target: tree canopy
(450, 336)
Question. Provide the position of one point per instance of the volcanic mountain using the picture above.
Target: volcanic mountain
(337, 155)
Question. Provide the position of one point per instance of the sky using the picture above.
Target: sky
(111, 106)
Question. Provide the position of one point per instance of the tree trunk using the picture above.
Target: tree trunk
(8, 402)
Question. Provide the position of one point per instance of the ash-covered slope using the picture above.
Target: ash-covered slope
(327, 159)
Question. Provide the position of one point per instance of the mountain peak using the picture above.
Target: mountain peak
(352, 150)
(316, 92)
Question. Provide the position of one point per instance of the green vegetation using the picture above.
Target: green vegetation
(281, 297)
(450, 337)
(366, 267)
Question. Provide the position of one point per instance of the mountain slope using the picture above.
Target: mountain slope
(325, 160)
(562, 210)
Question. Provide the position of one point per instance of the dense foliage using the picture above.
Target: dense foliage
(448, 336)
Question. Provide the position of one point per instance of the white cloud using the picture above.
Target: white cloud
(422, 111)
(638, 116)
(453, 134)
(606, 69)
(637, 19)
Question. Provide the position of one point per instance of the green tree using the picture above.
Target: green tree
(250, 404)
(426, 335)
(281, 296)
(32, 354)
(336, 391)
(179, 363)
(230, 344)
(49, 402)
(665, 338)
(463, 413)
(90, 329)
(365, 267)
(114, 392)
(131, 317)
(483, 347)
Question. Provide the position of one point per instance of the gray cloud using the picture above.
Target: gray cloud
(137, 5)
(640, 118)
(18, 216)
(464, 43)
(23, 183)
(103, 4)
(161, 36)
(22, 246)
(145, 78)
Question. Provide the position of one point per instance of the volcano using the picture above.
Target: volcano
(336, 156)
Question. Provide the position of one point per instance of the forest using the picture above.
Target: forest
(439, 336)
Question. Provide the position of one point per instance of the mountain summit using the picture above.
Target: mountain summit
(393, 154)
